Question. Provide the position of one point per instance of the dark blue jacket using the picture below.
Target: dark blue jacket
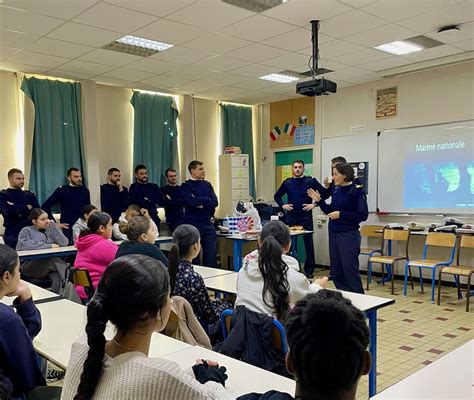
(200, 202)
(296, 188)
(149, 196)
(270, 395)
(14, 208)
(351, 202)
(71, 200)
(112, 201)
(18, 358)
(174, 204)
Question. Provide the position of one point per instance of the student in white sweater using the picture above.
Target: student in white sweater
(81, 223)
(133, 294)
(132, 211)
(269, 281)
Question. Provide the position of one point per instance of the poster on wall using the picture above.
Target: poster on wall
(361, 171)
(386, 106)
(290, 135)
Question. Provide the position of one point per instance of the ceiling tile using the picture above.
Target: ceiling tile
(183, 56)
(198, 86)
(300, 12)
(189, 72)
(152, 66)
(287, 61)
(435, 52)
(69, 75)
(361, 57)
(85, 67)
(253, 84)
(210, 14)
(66, 9)
(383, 34)
(221, 63)
(169, 32)
(41, 60)
(112, 82)
(109, 57)
(128, 74)
(18, 67)
(216, 43)
(347, 73)
(114, 18)
(257, 52)
(467, 45)
(295, 40)
(362, 79)
(166, 81)
(466, 32)
(216, 78)
(280, 88)
(15, 39)
(338, 48)
(357, 3)
(254, 70)
(83, 34)
(58, 48)
(350, 23)
(7, 52)
(387, 63)
(400, 9)
(257, 28)
(27, 22)
(159, 8)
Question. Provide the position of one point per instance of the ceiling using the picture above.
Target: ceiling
(220, 50)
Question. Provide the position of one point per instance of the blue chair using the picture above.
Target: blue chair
(226, 318)
(433, 239)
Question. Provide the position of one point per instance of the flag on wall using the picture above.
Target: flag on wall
(289, 129)
(275, 133)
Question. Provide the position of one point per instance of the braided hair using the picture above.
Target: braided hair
(328, 338)
(274, 236)
(133, 289)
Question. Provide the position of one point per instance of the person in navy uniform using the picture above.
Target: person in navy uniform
(347, 210)
(114, 197)
(330, 185)
(15, 206)
(71, 198)
(145, 194)
(174, 203)
(200, 204)
(299, 207)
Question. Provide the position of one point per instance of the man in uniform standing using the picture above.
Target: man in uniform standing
(174, 203)
(113, 195)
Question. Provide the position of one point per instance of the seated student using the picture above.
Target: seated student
(81, 222)
(327, 340)
(187, 283)
(269, 281)
(132, 211)
(43, 234)
(18, 360)
(95, 250)
(141, 237)
(134, 295)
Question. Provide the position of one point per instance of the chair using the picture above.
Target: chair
(458, 270)
(389, 235)
(371, 231)
(433, 239)
(81, 277)
(278, 331)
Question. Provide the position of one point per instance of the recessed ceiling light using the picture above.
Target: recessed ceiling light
(137, 46)
(399, 47)
(279, 78)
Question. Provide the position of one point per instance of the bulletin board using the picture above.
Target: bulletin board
(284, 161)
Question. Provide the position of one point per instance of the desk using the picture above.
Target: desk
(37, 292)
(368, 304)
(450, 377)
(209, 272)
(46, 253)
(239, 239)
(243, 378)
(64, 321)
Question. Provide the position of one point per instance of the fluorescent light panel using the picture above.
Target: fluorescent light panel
(279, 78)
(399, 47)
(144, 43)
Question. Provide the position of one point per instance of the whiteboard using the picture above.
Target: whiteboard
(354, 148)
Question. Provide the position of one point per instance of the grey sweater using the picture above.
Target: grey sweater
(31, 238)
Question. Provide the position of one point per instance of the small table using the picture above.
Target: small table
(46, 253)
(240, 239)
(39, 295)
(450, 377)
(209, 272)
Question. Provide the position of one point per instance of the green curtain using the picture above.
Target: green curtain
(237, 131)
(57, 139)
(155, 134)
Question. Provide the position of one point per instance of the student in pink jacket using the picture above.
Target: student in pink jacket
(95, 250)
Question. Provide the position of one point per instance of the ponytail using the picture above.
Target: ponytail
(95, 328)
(95, 221)
(173, 261)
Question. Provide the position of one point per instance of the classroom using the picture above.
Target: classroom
(236, 199)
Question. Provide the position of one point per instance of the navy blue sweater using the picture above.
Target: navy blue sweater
(71, 200)
(112, 201)
(149, 196)
(174, 204)
(296, 188)
(200, 202)
(14, 208)
(18, 358)
(351, 202)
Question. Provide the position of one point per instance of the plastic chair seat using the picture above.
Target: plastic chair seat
(427, 263)
(385, 259)
(463, 270)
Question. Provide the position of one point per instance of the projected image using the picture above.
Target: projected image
(435, 184)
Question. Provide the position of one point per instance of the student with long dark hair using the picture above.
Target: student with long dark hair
(133, 294)
(324, 327)
(186, 282)
(347, 210)
(95, 250)
(269, 281)
(81, 222)
(141, 235)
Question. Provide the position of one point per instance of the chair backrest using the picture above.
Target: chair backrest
(226, 318)
(279, 337)
(81, 277)
(440, 239)
(370, 231)
(172, 325)
(396, 234)
(465, 242)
